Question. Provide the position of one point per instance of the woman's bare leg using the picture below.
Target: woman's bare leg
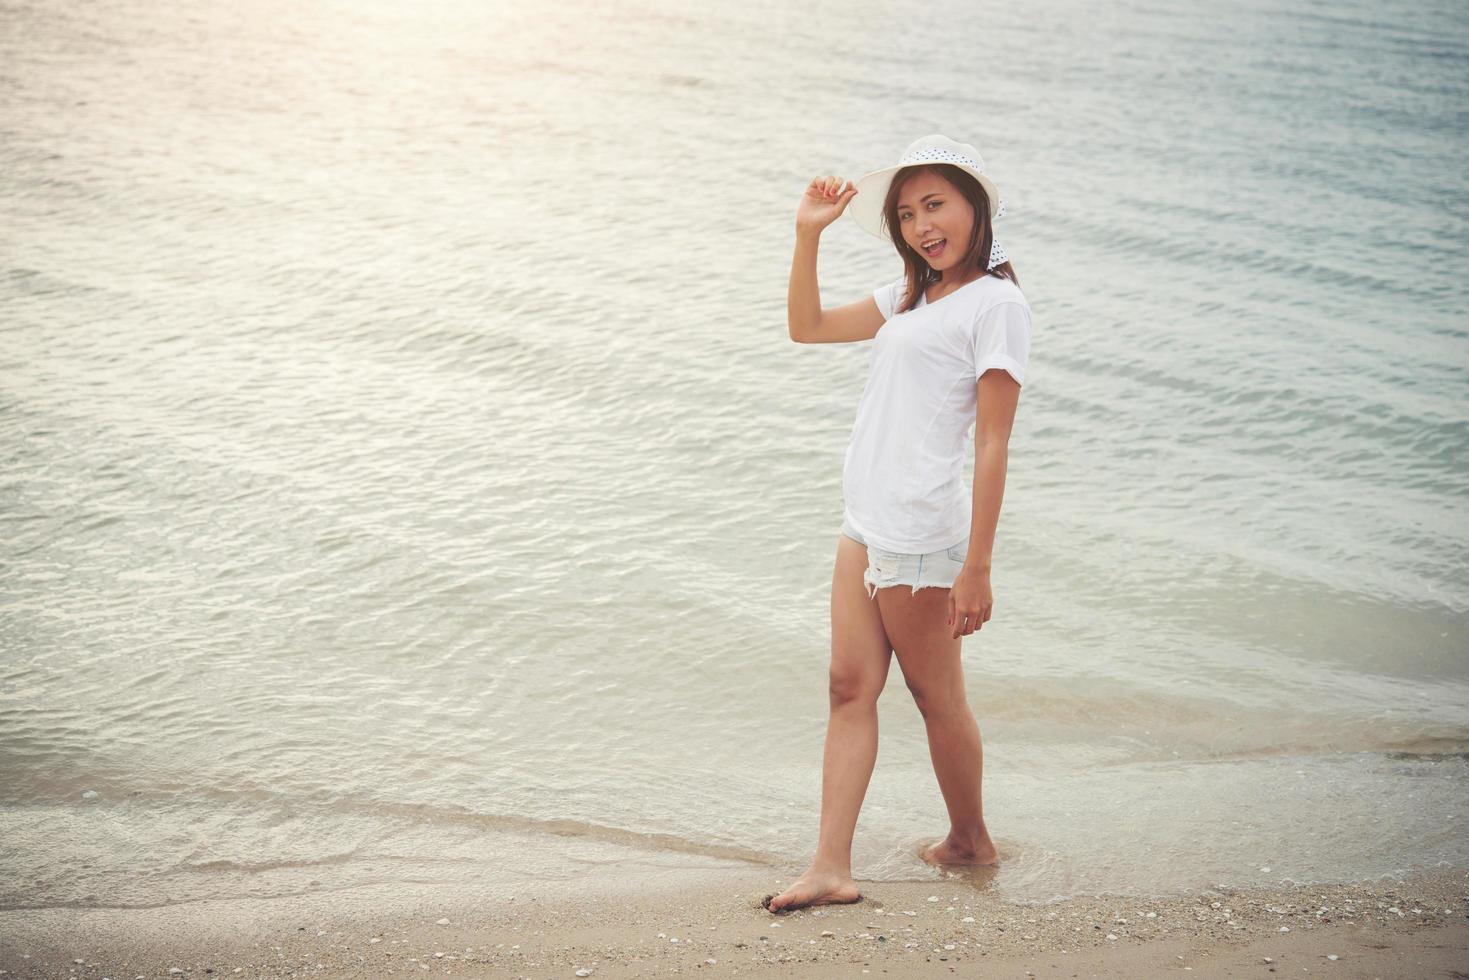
(860, 655)
(928, 653)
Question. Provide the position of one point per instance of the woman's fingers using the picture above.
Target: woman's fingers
(823, 201)
(831, 186)
(967, 621)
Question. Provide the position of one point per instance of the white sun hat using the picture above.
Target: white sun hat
(872, 189)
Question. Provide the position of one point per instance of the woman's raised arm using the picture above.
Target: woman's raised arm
(821, 204)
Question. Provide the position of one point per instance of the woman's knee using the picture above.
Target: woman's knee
(937, 700)
(847, 687)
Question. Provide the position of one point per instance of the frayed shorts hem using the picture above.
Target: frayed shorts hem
(888, 569)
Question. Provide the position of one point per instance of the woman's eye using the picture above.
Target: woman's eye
(933, 203)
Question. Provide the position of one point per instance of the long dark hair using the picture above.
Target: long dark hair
(920, 274)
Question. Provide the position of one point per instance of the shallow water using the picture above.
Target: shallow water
(407, 475)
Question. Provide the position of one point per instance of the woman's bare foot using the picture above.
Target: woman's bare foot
(815, 888)
(949, 851)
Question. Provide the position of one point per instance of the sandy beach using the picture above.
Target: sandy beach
(711, 923)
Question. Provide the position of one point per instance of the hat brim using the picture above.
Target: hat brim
(872, 189)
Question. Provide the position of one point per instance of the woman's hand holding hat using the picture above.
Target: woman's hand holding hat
(822, 203)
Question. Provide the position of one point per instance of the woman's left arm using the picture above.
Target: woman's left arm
(970, 598)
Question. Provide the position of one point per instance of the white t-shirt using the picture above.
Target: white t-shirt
(901, 481)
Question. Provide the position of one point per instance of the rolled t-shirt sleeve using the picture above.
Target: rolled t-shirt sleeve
(1002, 340)
(887, 297)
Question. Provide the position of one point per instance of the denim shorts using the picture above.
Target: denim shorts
(937, 569)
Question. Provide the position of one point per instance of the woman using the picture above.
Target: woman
(951, 344)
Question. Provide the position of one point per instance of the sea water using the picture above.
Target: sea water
(407, 474)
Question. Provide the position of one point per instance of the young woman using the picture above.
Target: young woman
(951, 344)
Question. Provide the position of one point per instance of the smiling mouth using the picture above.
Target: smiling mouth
(935, 247)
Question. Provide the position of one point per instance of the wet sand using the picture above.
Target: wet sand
(710, 922)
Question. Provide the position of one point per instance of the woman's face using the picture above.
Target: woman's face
(930, 209)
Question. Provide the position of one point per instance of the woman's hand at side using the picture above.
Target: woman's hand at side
(970, 600)
(822, 203)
